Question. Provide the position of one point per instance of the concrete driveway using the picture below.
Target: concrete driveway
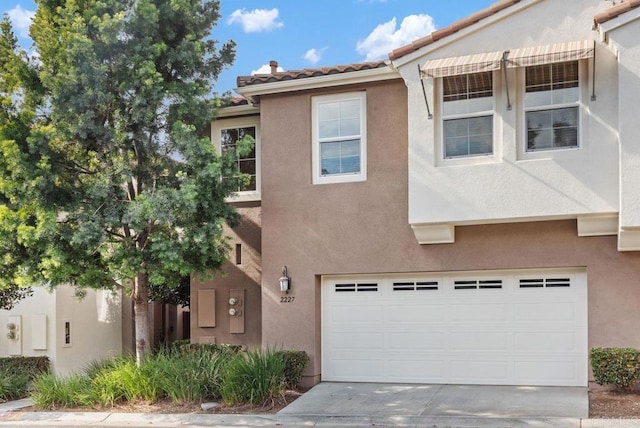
(412, 400)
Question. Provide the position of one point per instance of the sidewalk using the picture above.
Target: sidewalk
(10, 417)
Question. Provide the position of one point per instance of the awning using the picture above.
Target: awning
(547, 54)
(488, 61)
(523, 57)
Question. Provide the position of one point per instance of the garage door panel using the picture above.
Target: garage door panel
(481, 341)
(489, 371)
(416, 341)
(415, 313)
(548, 341)
(357, 313)
(357, 340)
(510, 335)
(357, 369)
(478, 313)
(540, 372)
(412, 370)
(545, 312)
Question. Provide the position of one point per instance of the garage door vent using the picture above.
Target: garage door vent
(355, 287)
(545, 282)
(475, 284)
(415, 286)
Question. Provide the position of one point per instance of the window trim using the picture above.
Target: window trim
(317, 177)
(217, 126)
(441, 159)
(523, 150)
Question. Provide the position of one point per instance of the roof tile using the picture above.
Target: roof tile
(615, 11)
(307, 72)
(451, 29)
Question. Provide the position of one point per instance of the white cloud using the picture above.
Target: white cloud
(21, 19)
(314, 55)
(256, 20)
(265, 69)
(385, 37)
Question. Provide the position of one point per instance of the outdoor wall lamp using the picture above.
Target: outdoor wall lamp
(285, 280)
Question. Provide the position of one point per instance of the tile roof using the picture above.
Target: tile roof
(451, 29)
(307, 72)
(615, 11)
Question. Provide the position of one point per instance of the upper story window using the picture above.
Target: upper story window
(552, 96)
(468, 114)
(339, 138)
(226, 133)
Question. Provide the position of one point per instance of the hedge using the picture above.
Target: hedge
(34, 366)
(294, 364)
(617, 366)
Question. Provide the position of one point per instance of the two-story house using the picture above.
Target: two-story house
(466, 212)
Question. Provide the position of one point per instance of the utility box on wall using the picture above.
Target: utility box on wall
(14, 335)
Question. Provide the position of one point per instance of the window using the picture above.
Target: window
(552, 95)
(339, 138)
(468, 114)
(226, 133)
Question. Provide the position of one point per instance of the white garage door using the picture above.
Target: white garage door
(501, 329)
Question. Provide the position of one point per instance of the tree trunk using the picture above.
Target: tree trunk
(141, 316)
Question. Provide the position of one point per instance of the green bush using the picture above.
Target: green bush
(617, 366)
(125, 381)
(33, 366)
(51, 391)
(13, 385)
(16, 373)
(255, 377)
(189, 374)
(294, 364)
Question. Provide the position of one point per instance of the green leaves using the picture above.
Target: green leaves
(104, 174)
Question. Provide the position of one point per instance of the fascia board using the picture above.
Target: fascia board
(330, 80)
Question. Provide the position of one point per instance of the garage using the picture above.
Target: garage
(487, 328)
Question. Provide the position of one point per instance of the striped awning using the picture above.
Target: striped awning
(547, 54)
(523, 57)
(488, 61)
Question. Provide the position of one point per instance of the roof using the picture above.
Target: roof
(307, 72)
(615, 11)
(453, 28)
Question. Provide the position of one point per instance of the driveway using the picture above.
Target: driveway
(412, 400)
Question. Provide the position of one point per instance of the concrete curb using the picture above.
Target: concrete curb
(101, 419)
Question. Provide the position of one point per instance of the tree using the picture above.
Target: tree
(120, 187)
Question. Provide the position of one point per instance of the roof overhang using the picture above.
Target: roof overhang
(617, 22)
(239, 110)
(253, 92)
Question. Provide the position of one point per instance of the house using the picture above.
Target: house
(465, 212)
(72, 332)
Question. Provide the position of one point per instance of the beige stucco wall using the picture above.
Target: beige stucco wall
(357, 228)
(96, 326)
(245, 276)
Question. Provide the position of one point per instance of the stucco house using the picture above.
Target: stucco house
(467, 211)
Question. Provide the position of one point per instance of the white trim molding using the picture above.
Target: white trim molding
(434, 233)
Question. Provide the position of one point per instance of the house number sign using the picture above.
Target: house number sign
(287, 299)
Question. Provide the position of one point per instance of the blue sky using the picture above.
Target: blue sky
(307, 33)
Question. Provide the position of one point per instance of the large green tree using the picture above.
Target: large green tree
(106, 180)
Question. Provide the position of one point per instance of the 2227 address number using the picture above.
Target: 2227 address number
(287, 299)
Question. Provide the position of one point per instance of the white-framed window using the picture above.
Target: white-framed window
(339, 138)
(467, 115)
(225, 133)
(552, 106)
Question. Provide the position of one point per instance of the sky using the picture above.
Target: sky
(306, 33)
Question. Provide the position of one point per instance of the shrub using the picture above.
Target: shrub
(16, 373)
(189, 374)
(125, 381)
(51, 391)
(13, 385)
(617, 366)
(294, 364)
(33, 366)
(254, 378)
